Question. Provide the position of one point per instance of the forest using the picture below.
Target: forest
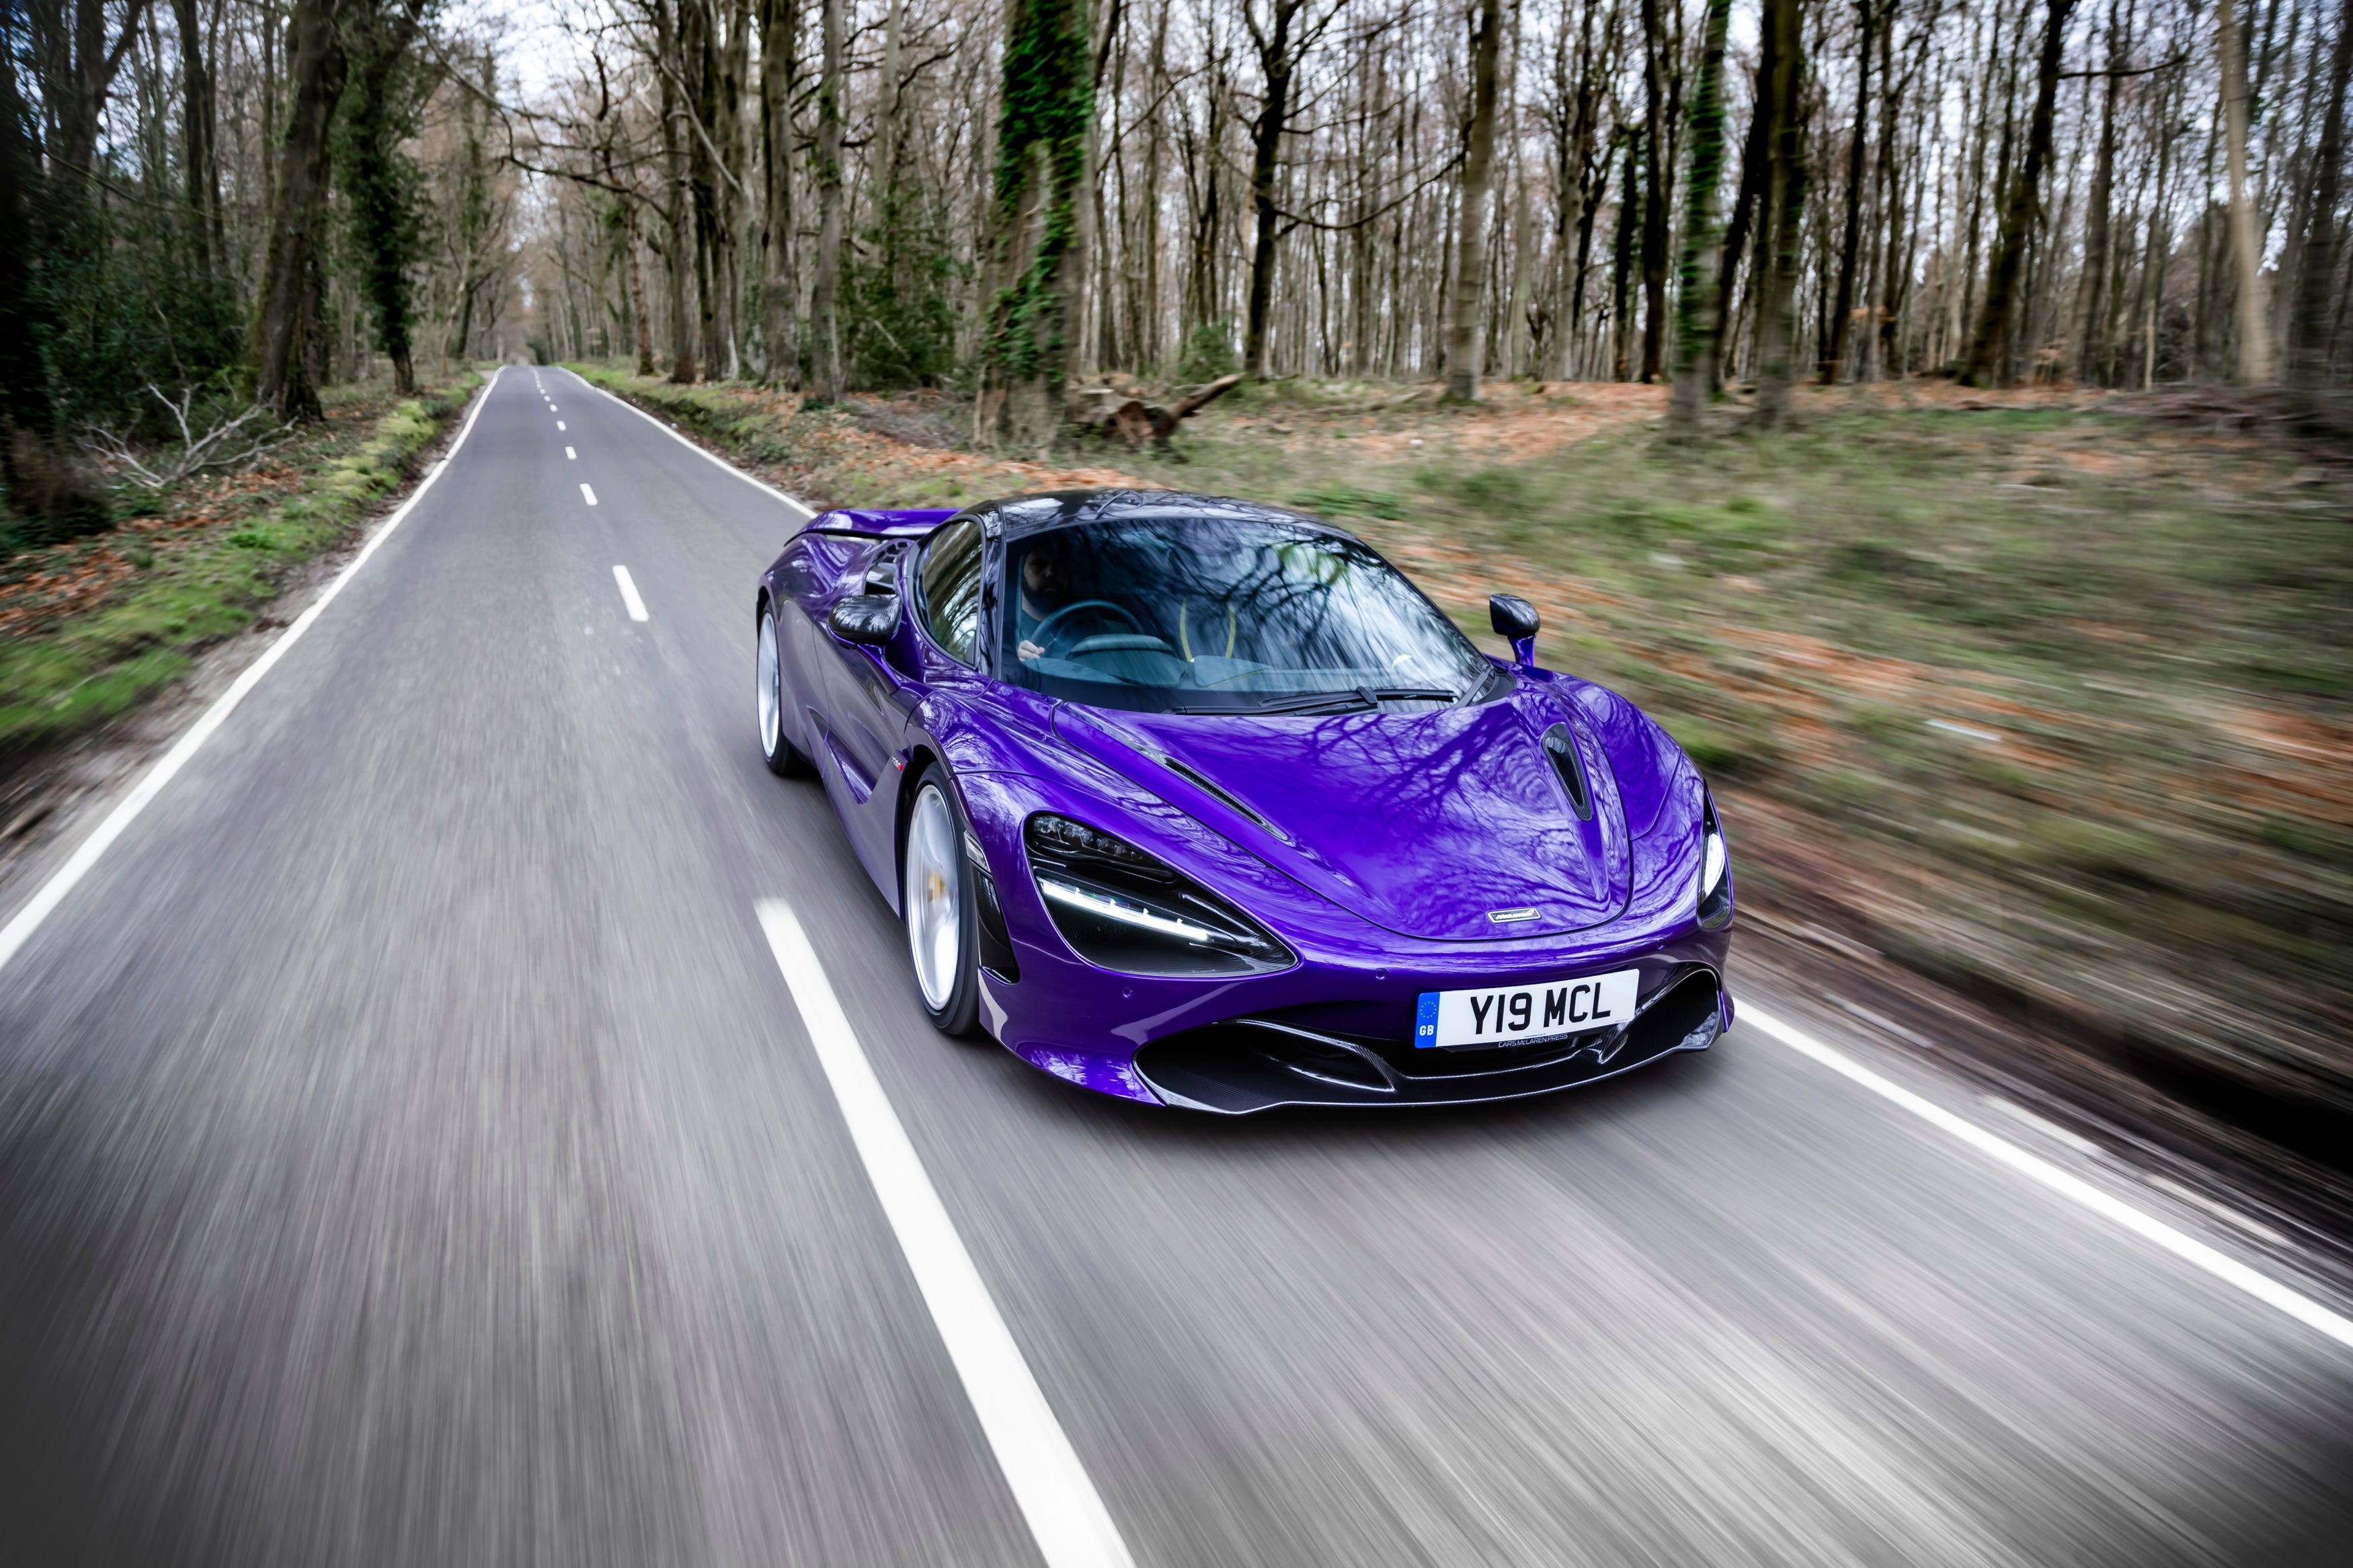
(215, 205)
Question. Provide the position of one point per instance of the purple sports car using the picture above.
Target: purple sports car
(1201, 802)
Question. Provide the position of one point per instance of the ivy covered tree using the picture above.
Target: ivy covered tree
(1037, 261)
(381, 103)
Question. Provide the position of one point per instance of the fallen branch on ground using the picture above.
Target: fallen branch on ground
(228, 445)
(1134, 421)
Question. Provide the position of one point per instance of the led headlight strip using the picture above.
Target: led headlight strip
(1123, 910)
(1118, 910)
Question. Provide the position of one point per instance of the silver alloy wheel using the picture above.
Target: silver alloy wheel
(772, 709)
(934, 910)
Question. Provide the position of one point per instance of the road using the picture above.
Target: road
(411, 1153)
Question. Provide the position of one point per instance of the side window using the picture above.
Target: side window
(952, 587)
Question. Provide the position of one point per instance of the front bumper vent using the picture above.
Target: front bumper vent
(1254, 1064)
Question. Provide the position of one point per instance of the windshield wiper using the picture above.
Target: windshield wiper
(1355, 698)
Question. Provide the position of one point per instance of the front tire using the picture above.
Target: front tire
(936, 905)
(784, 759)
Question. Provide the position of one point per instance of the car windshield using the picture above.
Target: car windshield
(1195, 610)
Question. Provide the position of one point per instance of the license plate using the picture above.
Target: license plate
(1513, 1014)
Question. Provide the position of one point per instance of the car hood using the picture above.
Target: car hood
(1427, 824)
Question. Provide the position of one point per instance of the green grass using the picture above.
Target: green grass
(94, 667)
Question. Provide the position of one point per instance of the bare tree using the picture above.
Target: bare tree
(2317, 321)
(286, 310)
(1702, 282)
(2021, 208)
(825, 325)
(1780, 95)
(1834, 364)
(2254, 343)
(1463, 340)
(779, 289)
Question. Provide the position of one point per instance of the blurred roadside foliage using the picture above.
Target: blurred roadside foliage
(2049, 704)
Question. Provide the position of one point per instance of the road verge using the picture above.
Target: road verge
(77, 673)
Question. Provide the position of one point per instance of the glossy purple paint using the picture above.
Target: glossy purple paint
(1373, 844)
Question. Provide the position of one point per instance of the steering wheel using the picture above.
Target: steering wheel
(1045, 629)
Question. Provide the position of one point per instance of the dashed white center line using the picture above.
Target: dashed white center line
(1051, 1486)
(559, 425)
(636, 606)
(571, 455)
(586, 494)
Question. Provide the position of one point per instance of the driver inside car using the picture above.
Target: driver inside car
(1045, 588)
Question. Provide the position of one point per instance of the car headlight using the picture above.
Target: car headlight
(1715, 872)
(1123, 910)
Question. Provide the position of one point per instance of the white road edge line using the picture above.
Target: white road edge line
(2188, 1249)
(802, 507)
(586, 494)
(1065, 1513)
(51, 893)
(636, 606)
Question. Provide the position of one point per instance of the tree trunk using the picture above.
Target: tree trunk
(31, 457)
(286, 309)
(378, 41)
(779, 290)
(1523, 260)
(1573, 229)
(1747, 208)
(1146, 345)
(1843, 312)
(2020, 208)
(1275, 66)
(2160, 238)
(681, 335)
(2092, 294)
(1622, 259)
(1964, 299)
(1089, 303)
(1471, 247)
(887, 111)
(733, 60)
(633, 266)
(1047, 104)
(825, 325)
(1657, 171)
(1890, 269)
(1781, 86)
(2255, 343)
(2313, 341)
(699, 63)
(197, 137)
(1698, 299)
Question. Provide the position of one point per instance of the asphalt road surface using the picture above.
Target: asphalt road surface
(411, 1151)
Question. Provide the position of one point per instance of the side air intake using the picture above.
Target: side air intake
(1561, 747)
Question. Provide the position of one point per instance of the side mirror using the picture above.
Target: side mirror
(868, 618)
(1516, 621)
